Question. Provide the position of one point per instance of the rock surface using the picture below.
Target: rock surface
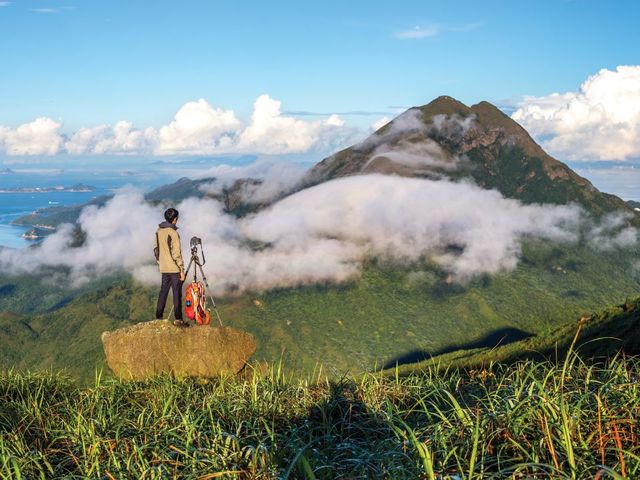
(150, 348)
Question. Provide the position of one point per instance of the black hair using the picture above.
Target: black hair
(171, 214)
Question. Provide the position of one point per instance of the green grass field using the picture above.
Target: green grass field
(570, 420)
(569, 411)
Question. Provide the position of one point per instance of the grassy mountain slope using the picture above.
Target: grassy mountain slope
(602, 334)
(54, 216)
(392, 313)
(68, 337)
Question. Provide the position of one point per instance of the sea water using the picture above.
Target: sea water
(14, 205)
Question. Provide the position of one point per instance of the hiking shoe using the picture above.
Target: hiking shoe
(180, 323)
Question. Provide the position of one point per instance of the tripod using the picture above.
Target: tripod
(197, 265)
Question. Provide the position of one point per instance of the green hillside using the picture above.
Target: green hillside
(392, 313)
(54, 216)
(595, 336)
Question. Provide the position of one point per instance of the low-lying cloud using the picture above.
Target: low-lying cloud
(321, 234)
(267, 179)
(407, 141)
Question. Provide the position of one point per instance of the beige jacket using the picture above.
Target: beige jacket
(170, 260)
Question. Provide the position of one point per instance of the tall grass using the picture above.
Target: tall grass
(528, 420)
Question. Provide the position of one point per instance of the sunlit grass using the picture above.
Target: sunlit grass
(531, 419)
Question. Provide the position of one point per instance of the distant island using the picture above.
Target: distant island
(6, 171)
(77, 188)
(38, 232)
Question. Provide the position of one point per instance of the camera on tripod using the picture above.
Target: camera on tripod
(194, 242)
(197, 264)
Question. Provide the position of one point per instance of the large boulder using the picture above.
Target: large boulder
(150, 348)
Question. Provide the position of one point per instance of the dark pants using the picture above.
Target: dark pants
(170, 280)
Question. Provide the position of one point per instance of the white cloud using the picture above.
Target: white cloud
(417, 153)
(196, 129)
(44, 10)
(334, 120)
(123, 138)
(322, 234)
(113, 240)
(378, 124)
(274, 179)
(409, 121)
(425, 154)
(85, 139)
(270, 132)
(406, 218)
(613, 231)
(39, 137)
(601, 121)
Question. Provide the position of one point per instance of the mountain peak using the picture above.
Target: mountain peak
(448, 139)
(445, 105)
(489, 115)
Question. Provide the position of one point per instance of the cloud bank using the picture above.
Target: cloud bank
(40, 137)
(322, 234)
(197, 128)
(601, 121)
(270, 179)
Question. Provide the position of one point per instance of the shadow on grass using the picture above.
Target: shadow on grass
(338, 430)
(61, 303)
(501, 336)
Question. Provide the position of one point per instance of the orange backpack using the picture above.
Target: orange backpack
(196, 304)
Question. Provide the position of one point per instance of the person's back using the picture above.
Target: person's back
(169, 255)
(171, 265)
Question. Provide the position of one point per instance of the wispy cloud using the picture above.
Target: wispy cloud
(308, 113)
(44, 10)
(5, 4)
(419, 32)
(433, 30)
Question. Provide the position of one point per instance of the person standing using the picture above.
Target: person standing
(168, 254)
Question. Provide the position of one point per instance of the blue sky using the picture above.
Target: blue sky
(81, 63)
(89, 62)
